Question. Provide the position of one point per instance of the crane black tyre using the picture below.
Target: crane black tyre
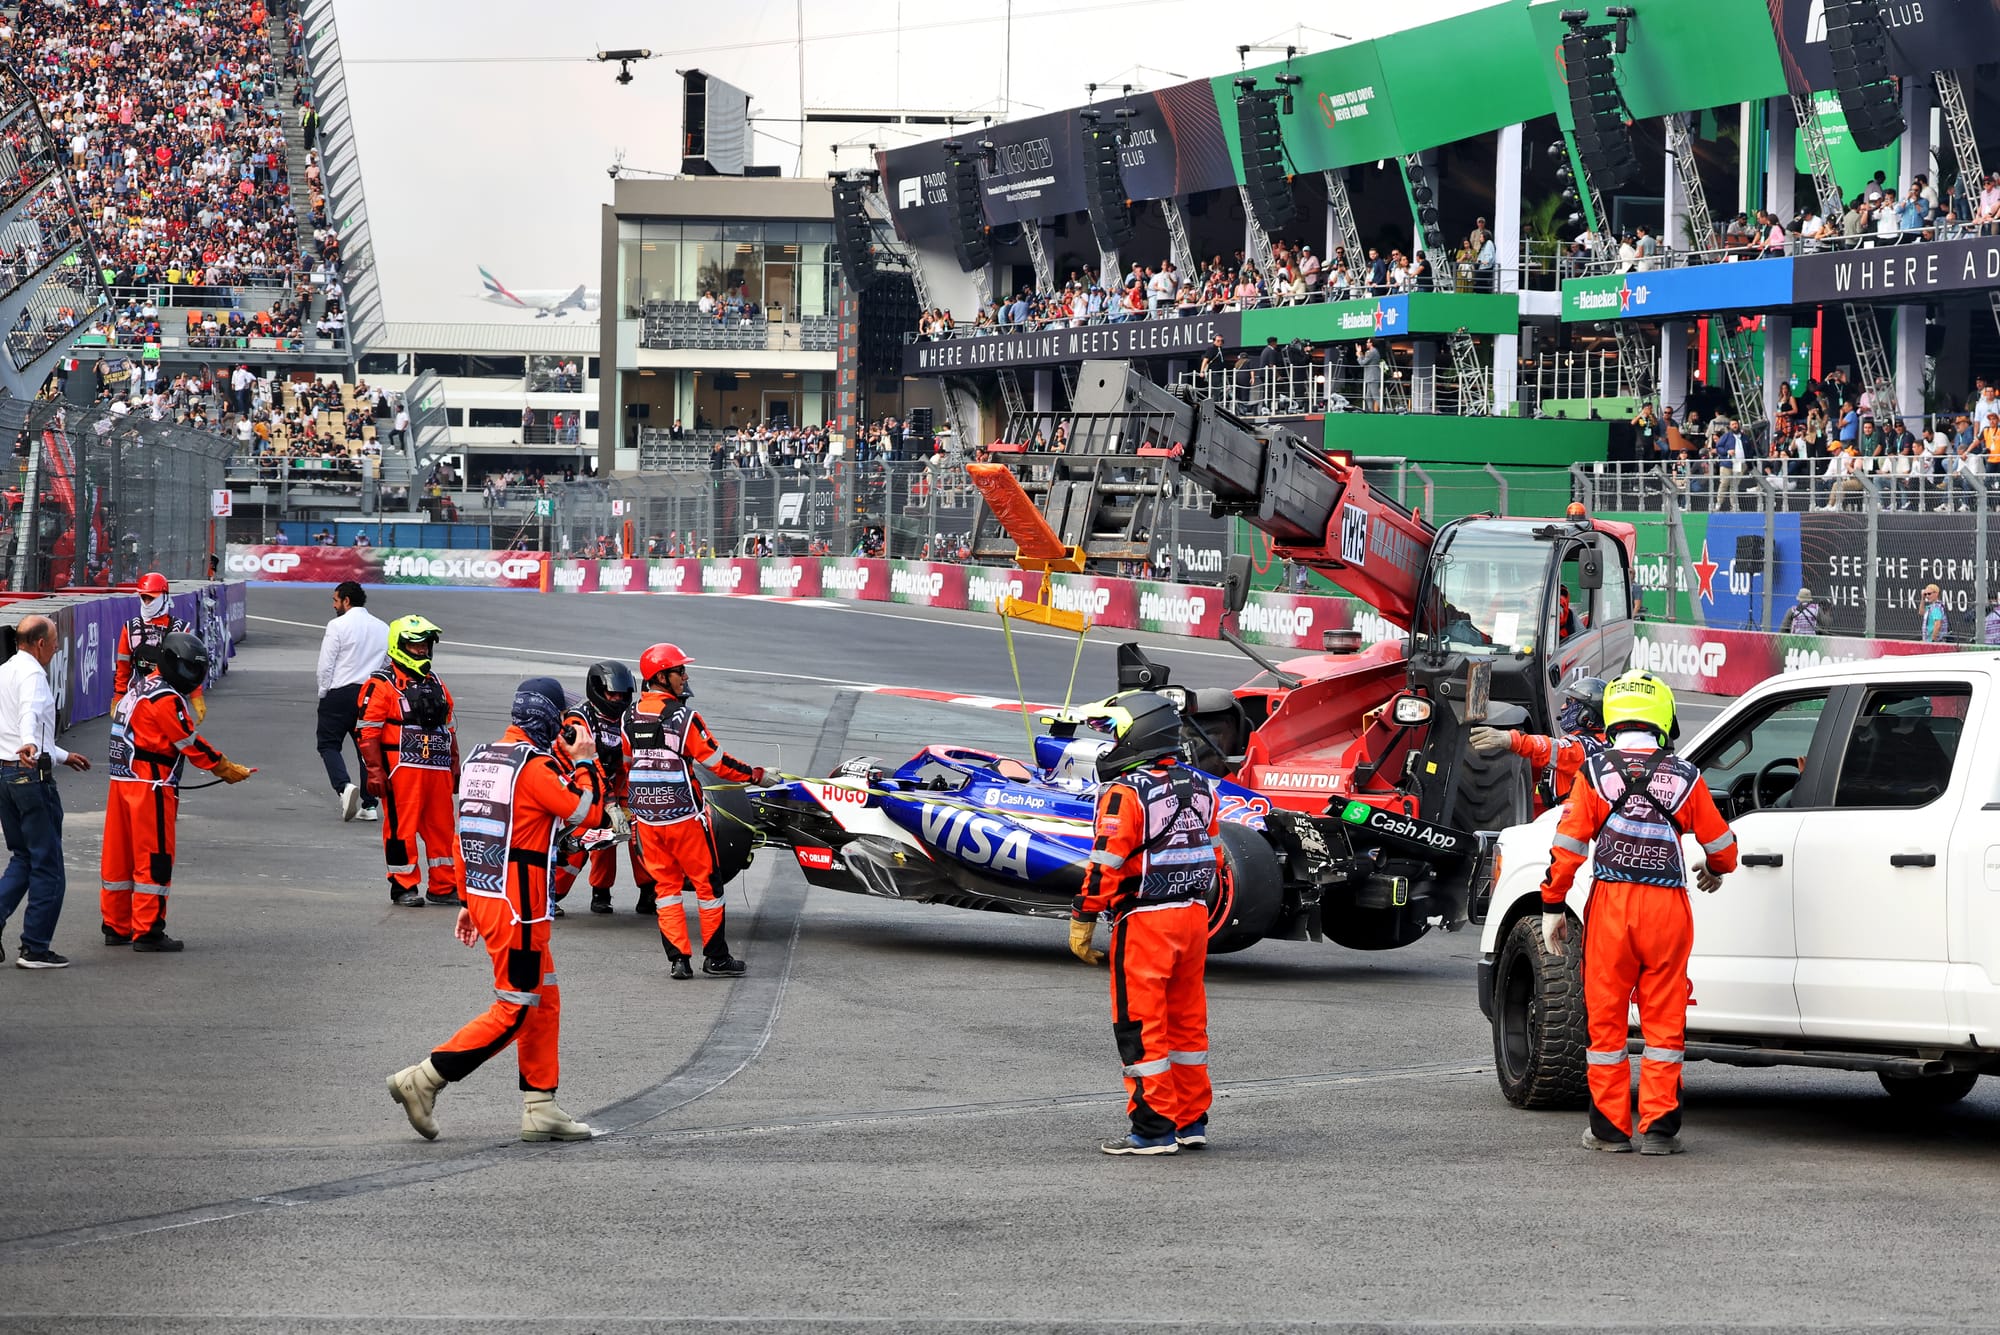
(733, 822)
(1928, 1091)
(1540, 1035)
(1494, 792)
(1246, 905)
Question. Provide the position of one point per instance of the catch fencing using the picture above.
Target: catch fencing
(98, 498)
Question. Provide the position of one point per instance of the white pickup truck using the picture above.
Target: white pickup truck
(1862, 929)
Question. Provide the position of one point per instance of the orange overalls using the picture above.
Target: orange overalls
(1558, 757)
(1153, 863)
(152, 733)
(411, 750)
(512, 795)
(662, 735)
(139, 647)
(610, 737)
(1628, 809)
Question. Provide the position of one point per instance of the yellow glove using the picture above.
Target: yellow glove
(199, 701)
(1079, 943)
(229, 771)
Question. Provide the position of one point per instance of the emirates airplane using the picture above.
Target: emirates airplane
(543, 302)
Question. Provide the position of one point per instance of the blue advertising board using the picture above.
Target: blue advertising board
(1701, 289)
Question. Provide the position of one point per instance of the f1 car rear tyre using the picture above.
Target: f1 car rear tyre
(1539, 1031)
(1928, 1091)
(734, 823)
(1252, 893)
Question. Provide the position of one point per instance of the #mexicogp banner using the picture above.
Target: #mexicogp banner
(386, 565)
(1730, 662)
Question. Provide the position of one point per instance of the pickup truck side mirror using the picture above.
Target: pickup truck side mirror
(1236, 582)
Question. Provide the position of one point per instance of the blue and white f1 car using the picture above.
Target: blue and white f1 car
(977, 830)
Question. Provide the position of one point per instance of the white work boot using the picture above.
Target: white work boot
(416, 1088)
(543, 1119)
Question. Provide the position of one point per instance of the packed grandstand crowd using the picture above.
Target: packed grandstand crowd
(171, 123)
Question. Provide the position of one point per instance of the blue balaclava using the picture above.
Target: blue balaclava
(538, 708)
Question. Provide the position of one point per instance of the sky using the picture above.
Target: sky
(487, 134)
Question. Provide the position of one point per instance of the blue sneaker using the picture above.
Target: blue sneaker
(1193, 1136)
(1134, 1144)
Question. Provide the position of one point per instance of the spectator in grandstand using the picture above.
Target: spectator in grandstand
(1732, 462)
(1991, 630)
(1371, 375)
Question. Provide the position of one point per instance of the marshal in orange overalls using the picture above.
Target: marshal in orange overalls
(609, 736)
(512, 796)
(152, 735)
(1629, 807)
(410, 747)
(1155, 858)
(663, 738)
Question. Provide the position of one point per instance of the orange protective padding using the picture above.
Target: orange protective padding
(136, 865)
(681, 857)
(1033, 538)
(534, 1030)
(421, 804)
(1159, 1015)
(1636, 943)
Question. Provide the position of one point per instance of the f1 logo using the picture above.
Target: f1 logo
(1353, 534)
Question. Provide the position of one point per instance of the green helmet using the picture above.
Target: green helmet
(1639, 700)
(406, 635)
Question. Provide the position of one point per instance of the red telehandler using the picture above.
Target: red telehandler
(1381, 815)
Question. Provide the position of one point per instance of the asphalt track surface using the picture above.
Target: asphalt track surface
(890, 1123)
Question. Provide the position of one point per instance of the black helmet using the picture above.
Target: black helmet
(1146, 726)
(1583, 706)
(183, 661)
(609, 687)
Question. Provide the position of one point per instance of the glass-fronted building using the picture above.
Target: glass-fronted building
(723, 308)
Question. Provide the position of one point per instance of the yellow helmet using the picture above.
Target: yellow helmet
(406, 634)
(1640, 698)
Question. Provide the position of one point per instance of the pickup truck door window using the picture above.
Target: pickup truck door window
(1743, 959)
(1872, 914)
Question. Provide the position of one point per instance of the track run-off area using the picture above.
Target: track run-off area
(891, 1122)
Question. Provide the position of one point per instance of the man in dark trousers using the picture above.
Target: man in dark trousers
(356, 644)
(30, 807)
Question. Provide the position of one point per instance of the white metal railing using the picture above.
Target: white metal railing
(1572, 375)
(1289, 390)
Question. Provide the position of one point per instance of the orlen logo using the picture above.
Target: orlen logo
(613, 577)
(845, 581)
(270, 563)
(917, 584)
(666, 578)
(1265, 619)
(721, 577)
(1173, 611)
(569, 579)
(1090, 601)
(783, 578)
(814, 859)
(1704, 659)
(987, 591)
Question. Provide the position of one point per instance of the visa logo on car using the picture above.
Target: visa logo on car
(976, 839)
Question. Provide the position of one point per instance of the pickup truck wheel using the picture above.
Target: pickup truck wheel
(1539, 1030)
(1246, 906)
(1928, 1091)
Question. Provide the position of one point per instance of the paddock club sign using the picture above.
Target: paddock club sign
(1182, 337)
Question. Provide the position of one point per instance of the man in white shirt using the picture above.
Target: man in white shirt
(1160, 288)
(30, 807)
(356, 644)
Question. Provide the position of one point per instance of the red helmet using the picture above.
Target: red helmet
(152, 584)
(661, 658)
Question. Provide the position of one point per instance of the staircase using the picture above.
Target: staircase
(297, 159)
